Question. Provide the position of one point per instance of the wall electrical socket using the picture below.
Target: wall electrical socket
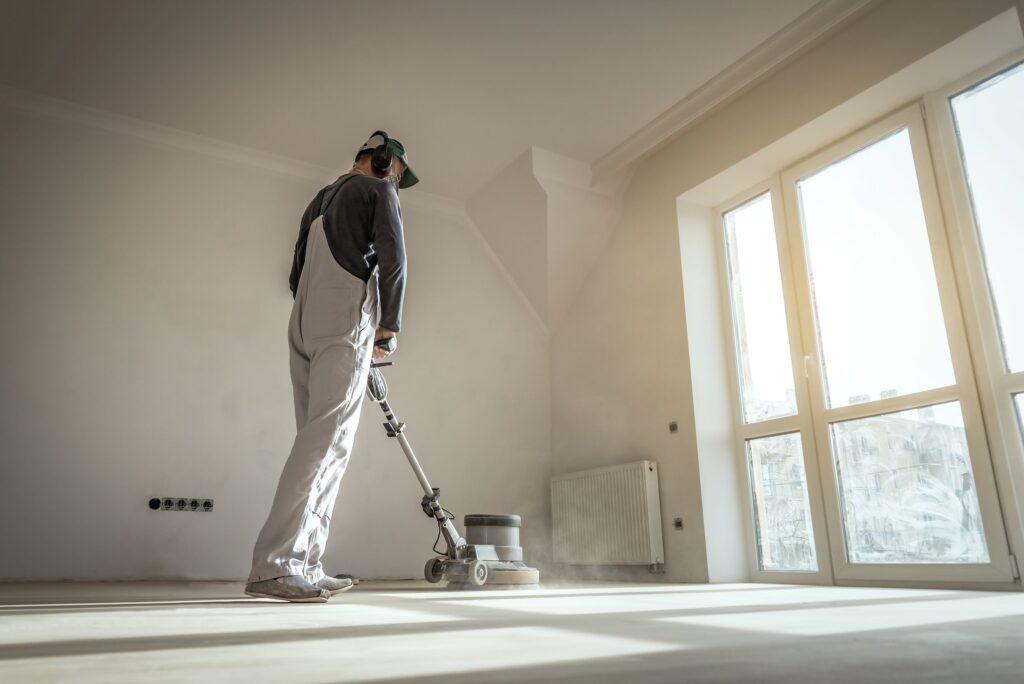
(177, 503)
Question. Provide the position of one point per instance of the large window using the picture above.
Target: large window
(759, 314)
(990, 126)
(764, 371)
(878, 438)
(907, 489)
(986, 119)
(782, 517)
(876, 303)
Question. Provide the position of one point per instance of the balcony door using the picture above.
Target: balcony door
(858, 408)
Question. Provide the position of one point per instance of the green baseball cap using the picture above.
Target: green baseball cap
(409, 178)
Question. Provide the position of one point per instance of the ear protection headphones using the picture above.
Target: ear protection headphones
(383, 156)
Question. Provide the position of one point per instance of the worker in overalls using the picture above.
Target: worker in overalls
(348, 279)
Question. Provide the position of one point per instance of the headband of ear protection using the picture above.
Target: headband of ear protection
(383, 156)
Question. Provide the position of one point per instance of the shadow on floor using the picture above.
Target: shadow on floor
(79, 605)
(985, 650)
(450, 618)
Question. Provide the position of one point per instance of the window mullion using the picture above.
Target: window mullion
(768, 428)
(893, 404)
(1014, 382)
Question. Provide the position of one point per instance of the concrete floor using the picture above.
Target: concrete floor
(404, 632)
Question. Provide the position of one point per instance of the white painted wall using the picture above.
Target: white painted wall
(620, 375)
(144, 296)
(580, 219)
(722, 472)
(510, 212)
(547, 224)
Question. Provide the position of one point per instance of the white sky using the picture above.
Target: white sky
(873, 280)
(756, 271)
(991, 126)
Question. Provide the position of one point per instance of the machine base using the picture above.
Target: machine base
(492, 558)
(500, 575)
(481, 574)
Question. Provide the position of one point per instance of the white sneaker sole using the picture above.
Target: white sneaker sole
(312, 599)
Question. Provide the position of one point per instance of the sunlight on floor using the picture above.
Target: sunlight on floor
(846, 619)
(611, 601)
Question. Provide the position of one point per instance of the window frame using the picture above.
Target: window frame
(813, 416)
(799, 422)
(996, 384)
(998, 568)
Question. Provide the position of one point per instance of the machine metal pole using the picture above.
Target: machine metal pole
(377, 388)
(398, 428)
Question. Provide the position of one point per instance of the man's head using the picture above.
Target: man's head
(385, 157)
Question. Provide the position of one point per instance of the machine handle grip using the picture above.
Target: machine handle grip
(388, 344)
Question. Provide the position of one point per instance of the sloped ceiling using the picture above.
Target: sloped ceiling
(467, 84)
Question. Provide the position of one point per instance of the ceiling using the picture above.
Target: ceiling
(467, 85)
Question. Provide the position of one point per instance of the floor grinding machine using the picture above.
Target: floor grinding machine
(490, 553)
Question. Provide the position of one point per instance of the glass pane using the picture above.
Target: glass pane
(759, 313)
(906, 488)
(990, 123)
(782, 516)
(875, 296)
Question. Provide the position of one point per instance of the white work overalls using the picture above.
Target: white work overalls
(330, 336)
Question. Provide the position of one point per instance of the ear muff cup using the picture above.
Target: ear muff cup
(383, 157)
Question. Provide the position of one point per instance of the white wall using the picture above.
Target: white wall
(510, 213)
(726, 523)
(144, 296)
(620, 376)
(580, 219)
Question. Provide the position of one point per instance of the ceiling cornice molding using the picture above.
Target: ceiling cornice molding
(165, 136)
(811, 27)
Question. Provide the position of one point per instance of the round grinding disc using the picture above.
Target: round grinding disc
(517, 576)
(502, 576)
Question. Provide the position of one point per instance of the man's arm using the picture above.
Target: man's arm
(389, 244)
(312, 211)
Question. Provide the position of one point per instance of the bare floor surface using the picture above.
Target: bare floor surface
(407, 631)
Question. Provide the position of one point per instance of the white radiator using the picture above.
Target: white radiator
(608, 516)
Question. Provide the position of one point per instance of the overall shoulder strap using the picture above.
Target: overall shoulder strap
(329, 197)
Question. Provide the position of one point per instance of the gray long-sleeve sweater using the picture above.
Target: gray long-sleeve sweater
(363, 224)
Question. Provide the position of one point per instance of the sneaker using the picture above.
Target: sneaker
(355, 580)
(335, 585)
(294, 588)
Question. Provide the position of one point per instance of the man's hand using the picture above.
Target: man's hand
(383, 334)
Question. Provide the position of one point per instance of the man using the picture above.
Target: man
(349, 258)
